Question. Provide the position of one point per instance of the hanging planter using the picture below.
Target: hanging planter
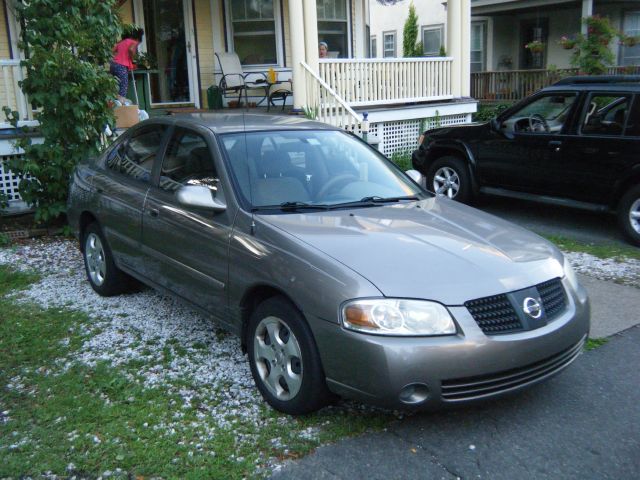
(567, 43)
(630, 41)
(535, 47)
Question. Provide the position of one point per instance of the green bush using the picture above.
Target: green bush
(410, 35)
(67, 46)
(402, 158)
(487, 112)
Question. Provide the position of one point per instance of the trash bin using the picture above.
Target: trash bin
(214, 97)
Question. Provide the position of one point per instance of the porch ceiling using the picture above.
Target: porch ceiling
(508, 7)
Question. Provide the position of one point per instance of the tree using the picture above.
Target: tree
(68, 44)
(591, 52)
(410, 35)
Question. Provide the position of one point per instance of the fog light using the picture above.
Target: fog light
(414, 393)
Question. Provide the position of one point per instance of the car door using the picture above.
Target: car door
(520, 155)
(188, 246)
(598, 155)
(122, 184)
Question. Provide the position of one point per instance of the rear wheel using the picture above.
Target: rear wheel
(284, 359)
(103, 275)
(629, 214)
(449, 176)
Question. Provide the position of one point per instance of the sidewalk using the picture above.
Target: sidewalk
(581, 424)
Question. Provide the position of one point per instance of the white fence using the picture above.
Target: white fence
(379, 81)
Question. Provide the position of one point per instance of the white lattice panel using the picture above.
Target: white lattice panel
(403, 136)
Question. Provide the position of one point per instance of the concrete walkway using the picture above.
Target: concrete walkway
(582, 424)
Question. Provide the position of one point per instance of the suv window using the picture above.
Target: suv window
(633, 122)
(605, 114)
(135, 156)
(545, 114)
(187, 162)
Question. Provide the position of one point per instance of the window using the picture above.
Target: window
(631, 27)
(606, 114)
(478, 50)
(253, 26)
(374, 47)
(135, 157)
(333, 24)
(432, 40)
(633, 122)
(545, 114)
(389, 47)
(533, 30)
(187, 162)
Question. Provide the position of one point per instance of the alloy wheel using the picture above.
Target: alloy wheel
(95, 258)
(278, 358)
(634, 216)
(446, 182)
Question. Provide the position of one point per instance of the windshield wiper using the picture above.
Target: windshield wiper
(292, 206)
(373, 201)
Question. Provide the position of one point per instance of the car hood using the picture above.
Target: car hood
(460, 132)
(433, 249)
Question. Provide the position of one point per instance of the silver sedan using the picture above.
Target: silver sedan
(340, 274)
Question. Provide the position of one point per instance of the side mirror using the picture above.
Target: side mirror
(495, 124)
(199, 196)
(416, 176)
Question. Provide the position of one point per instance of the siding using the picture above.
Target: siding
(126, 12)
(206, 58)
(4, 34)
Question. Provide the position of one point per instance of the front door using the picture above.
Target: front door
(188, 247)
(170, 45)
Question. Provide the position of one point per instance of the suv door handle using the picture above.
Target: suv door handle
(154, 212)
(555, 144)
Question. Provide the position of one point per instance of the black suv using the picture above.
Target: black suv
(576, 143)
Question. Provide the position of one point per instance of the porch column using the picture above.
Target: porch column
(587, 11)
(454, 44)
(296, 26)
(311, 34)
(465, 29)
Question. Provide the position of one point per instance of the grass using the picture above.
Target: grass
(61, 416)
(605, 250)
(593, 343)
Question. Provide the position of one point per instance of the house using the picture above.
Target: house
(502, 68)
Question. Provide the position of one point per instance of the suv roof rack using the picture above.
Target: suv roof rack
(593, 79)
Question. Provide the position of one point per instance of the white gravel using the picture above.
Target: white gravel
(144, 326)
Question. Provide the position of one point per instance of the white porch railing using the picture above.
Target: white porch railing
(10, 92)
(378, 81)
(327, 105)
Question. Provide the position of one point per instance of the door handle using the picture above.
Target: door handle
(555, 144)
(154, 212)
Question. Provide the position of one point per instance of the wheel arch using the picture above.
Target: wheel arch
(254, 296)
(631, 181)
(459, 150)
(86, 219)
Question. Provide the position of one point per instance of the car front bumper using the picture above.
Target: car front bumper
(424, 372)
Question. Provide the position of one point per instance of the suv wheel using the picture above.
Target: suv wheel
(449, 176)
(284, 359)
(629, 214)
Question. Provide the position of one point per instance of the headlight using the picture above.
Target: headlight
(570, 274)
(397, 317)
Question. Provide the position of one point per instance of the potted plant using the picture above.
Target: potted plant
(535, 46)
(567, 43)
(629, 40)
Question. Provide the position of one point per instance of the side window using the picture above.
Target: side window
(187, 162)
(605, 114)
(546, 114)
(633, 122)
(135, 156)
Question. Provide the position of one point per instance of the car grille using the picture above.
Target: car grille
(553, 297)
(486, 385)
(495, 314)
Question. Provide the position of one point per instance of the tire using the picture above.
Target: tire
(103, 275)
(629, 214)
(284, 359)
(449, 176)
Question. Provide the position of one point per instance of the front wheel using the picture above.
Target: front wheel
(284, 359)
(449, 176)
(629, 215)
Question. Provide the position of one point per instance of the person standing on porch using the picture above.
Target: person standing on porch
(123, 54)
(323, 50)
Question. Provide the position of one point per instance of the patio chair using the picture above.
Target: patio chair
(234, 80)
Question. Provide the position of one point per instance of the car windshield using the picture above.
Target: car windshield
(305, 169)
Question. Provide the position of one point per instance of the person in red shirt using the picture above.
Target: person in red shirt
(123, 54)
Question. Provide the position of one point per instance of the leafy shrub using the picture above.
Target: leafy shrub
(487, 112)
(410, 35)
(67, 45)
(402, 158)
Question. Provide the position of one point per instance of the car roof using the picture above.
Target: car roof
(598, 82)
(225, 122)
